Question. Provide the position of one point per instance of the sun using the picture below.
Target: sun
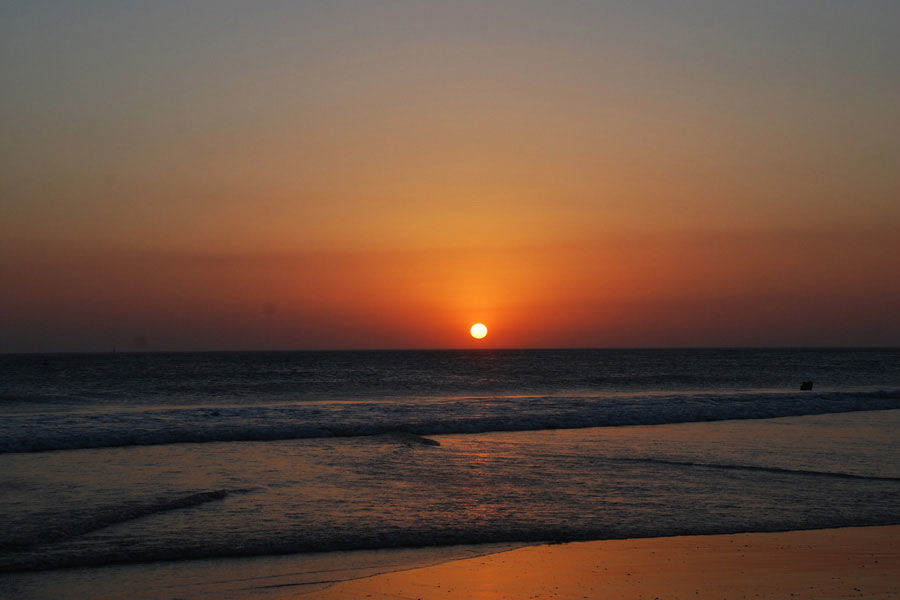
(478, 331)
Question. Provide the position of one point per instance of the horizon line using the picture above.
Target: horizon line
(454, 349)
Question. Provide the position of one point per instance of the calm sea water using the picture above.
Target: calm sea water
(130, 458)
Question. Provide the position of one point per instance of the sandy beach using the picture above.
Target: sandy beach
(820, 564)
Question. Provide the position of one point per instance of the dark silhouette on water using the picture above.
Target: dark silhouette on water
(805, 386)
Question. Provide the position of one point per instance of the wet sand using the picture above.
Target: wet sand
(819, 564)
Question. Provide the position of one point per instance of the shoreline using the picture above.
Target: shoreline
(821, 564)
(816, 564)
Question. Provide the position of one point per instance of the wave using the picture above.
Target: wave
(434, 537)
(55, 528)
(115, 426)
(776, 470)
(26, 398)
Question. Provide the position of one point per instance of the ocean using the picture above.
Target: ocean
(247, 474)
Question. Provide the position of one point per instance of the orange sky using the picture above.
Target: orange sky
(227, 177)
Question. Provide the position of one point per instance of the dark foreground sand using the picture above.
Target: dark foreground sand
(821, 564)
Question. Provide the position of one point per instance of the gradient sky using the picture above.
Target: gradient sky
(253, 175)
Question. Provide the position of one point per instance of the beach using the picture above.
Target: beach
(819, 564)
(256, 476)
(823, 564)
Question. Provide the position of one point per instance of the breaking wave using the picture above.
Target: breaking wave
(38, 431)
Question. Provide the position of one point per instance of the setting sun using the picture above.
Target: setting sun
(478, 331)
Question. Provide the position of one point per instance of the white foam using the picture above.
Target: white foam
(115, 426)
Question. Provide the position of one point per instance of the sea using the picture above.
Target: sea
(272, 474)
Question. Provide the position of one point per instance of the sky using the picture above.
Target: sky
(219, 175)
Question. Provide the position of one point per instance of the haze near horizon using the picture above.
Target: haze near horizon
(386, 174)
